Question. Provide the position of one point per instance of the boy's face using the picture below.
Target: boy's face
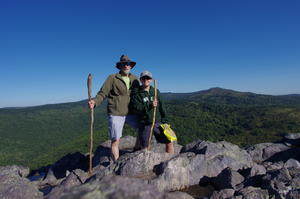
(146, 81)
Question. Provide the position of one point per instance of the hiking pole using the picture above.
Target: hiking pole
(89, 85)
(154, 114)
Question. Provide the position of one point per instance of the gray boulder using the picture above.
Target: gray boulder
(197, 160)
(76, 177)
(116, 187)
(264, 151)
(292, 153)
(127, 143)
(198, 146)
(211, 150)
(292, 163)
(295, 174)
(178, 195)
(45, 185)
(69, 162)
(103, 151)
(253, 193)
(101, 156)
(225, 193)
(50, 179)
(14, 170)
(180, 172)
(218, 163)
(228, 179)
(278, 182)
(294, 194)
(161, 148)
(14, 185)
(270, 166)
(255, 170)
(292, 139)
(292, 136)
(139, 164)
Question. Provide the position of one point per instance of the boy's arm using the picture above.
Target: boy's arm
(137, 104)
(135, 84)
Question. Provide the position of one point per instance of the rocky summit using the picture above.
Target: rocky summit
(201, 169)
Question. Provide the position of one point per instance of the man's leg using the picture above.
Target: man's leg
(115, 127)
(115, 149)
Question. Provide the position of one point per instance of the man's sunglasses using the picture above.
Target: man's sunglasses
(126, 64)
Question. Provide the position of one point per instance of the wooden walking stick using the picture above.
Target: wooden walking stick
(154, 114)
(89, 85)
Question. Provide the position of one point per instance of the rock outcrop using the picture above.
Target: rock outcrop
(200, 169)
(15, 185)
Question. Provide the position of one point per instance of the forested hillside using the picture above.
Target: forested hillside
(37, 136)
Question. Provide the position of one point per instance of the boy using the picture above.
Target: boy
(143, 103)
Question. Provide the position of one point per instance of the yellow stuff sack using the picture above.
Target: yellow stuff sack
(169, 133)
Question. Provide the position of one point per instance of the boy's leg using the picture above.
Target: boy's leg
(137, 145)
(115, 127)
(132, 120)
(170, 147)
(160, 137)
(144, 133)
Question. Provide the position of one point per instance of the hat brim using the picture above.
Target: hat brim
(146, 76)
(132, 64)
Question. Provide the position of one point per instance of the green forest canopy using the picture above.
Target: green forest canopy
(37, 136)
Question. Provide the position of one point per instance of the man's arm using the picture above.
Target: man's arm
(104, 91)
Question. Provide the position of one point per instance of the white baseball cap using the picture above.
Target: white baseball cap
(146, 73)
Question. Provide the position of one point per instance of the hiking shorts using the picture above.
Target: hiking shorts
(144, 133)
(116, 124)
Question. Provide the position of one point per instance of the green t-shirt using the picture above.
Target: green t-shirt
(127, 81)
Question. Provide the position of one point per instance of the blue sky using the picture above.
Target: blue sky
(48, 47)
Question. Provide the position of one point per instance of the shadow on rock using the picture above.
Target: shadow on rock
(101, 156)
(68, 162)
(292, 139)
(198, 191)
(293, 153)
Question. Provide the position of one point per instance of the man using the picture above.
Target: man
(117, 89)
(143, 103)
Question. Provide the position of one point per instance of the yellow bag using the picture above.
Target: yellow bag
(169, 133)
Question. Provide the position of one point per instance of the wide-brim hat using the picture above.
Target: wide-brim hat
(125, 59)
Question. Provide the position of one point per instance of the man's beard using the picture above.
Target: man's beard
(126, 71)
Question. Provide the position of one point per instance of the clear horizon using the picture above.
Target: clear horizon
(162, 92)
(48, 48)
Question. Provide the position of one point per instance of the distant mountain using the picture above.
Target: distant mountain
(36, 136)
(297, 95)
(231, 97)
(215, 95)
